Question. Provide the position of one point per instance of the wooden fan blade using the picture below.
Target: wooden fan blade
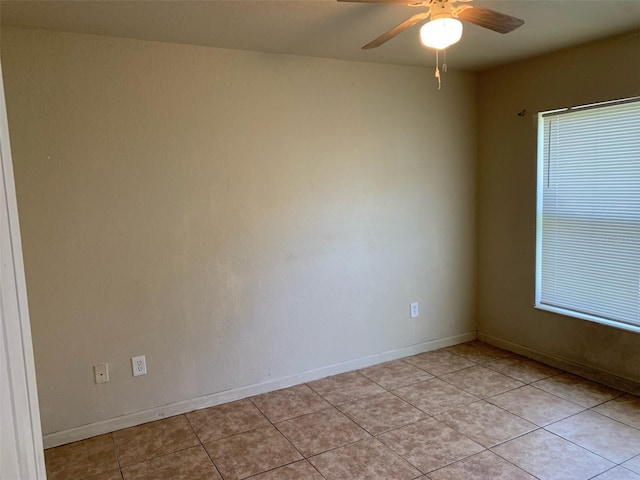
(397, 30)
(483, 17)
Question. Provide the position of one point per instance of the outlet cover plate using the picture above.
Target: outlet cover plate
(414, 310)
(139, 365)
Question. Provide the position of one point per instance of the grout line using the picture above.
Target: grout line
(203, 447)
(607, 470)
(566, 399)
(511, 463)
(582, 447)
(158, 456)
(115, 452)
(279, 431)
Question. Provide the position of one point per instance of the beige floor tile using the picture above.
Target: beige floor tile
(301, 470)
(364, 460)
(618, 473)
(429, 444)
(225, 420)
(153, 439)
(81, 459)
(608, 438)
(522, 369)
(550, 457)
(577, 390)
(481, 381)
(190, 464)
(633, 464)
(250, 453)
(478, 352)
(486, 424)
(439, 362)
(392, 375)
(321, 431)
(111, 475)
(625, 409)
(289, 403)
(345, 387)
(382, 412)
(483, 466)
(435, 396)
(535, 405)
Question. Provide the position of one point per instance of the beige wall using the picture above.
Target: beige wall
(237, 217)
(507, 199)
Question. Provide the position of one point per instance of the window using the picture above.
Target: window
(588, 227)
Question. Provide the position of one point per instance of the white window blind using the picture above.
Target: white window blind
(588, 229)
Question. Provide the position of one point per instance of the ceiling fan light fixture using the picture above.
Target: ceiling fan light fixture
(441, 33)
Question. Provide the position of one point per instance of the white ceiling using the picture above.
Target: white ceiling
(327, 28)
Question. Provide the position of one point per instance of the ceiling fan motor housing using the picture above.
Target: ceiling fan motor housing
(441, 10)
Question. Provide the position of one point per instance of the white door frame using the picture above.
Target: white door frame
(21, 454)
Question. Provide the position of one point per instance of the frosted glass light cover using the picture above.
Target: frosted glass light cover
(441, 33)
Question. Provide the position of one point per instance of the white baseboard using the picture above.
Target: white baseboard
(132, 419)
(570, 366)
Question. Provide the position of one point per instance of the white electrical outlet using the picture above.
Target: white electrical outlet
(414, 310)
(101, 372)
(139, 365)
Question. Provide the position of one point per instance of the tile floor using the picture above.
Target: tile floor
(468, 412)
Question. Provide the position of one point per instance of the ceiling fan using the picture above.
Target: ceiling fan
(444, 27)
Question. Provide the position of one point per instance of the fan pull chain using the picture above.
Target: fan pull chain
(438, 71)
(444, 60)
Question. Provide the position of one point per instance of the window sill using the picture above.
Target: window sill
(602, 321)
